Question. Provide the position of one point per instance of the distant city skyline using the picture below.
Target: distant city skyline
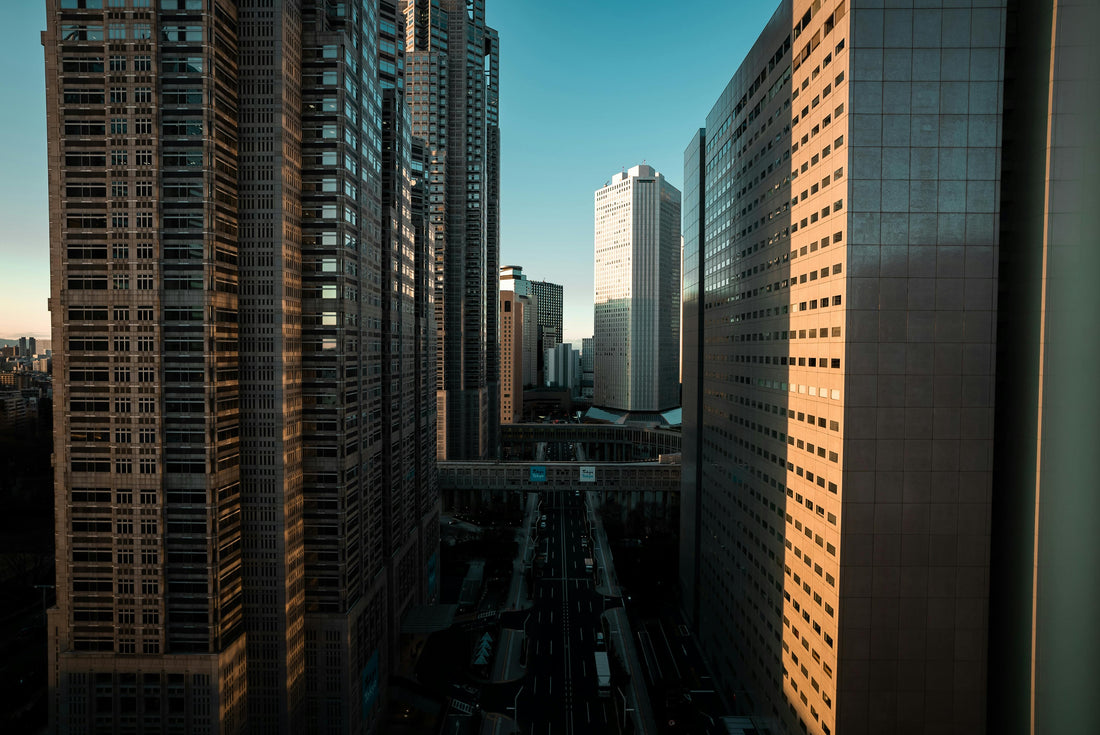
(553, 109)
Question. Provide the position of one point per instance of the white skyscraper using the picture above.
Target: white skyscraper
(637, 292)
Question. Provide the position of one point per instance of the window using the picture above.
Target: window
(117, 95)
(81, 31)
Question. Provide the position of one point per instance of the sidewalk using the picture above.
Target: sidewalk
(506, 664)
(618, 625)
(518, 598)
(607, 584)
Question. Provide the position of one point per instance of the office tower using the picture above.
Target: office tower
(637, 292)
(547, 317)
(548, 299)
(452, 72)
(32, 348)
(512, 279)
(563, 368)
(411, 503)
(144, 306)
(514, 310)
(588, 367)
(23, 347)
(841, 246)
(245, 487)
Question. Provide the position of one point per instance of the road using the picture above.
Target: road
(559, 692)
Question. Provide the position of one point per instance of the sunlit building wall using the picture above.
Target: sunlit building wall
(637, 304)
(840, 305)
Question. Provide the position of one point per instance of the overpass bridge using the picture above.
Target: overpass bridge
(472, 484)
(594, 442)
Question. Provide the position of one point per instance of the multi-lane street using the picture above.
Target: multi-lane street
(559, 692)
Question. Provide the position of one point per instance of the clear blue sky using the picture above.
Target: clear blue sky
(587, 89)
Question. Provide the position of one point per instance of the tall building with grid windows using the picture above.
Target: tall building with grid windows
(453, 93)
(548, 302)
(840, 303)
(637, 310)
(512, 280)
(516, 321)
(242, 292)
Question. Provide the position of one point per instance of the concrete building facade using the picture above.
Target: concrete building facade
(637, 309)
(514, 310)
(242, 295)
(512, 279)
(841, 245)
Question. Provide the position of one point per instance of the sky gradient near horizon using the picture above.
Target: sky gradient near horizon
(586, 90)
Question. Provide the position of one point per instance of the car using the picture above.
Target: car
(542, 524)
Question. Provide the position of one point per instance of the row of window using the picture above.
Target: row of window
(130, 32)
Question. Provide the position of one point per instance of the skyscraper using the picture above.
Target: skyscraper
(548, 300)
(841, 245)
(452, 71)
(512, 279)
(245, 489)
(563, 368)
(637, 292)
(588, 368)
(514, 313)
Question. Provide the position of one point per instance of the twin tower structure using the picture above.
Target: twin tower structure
(273, 246)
